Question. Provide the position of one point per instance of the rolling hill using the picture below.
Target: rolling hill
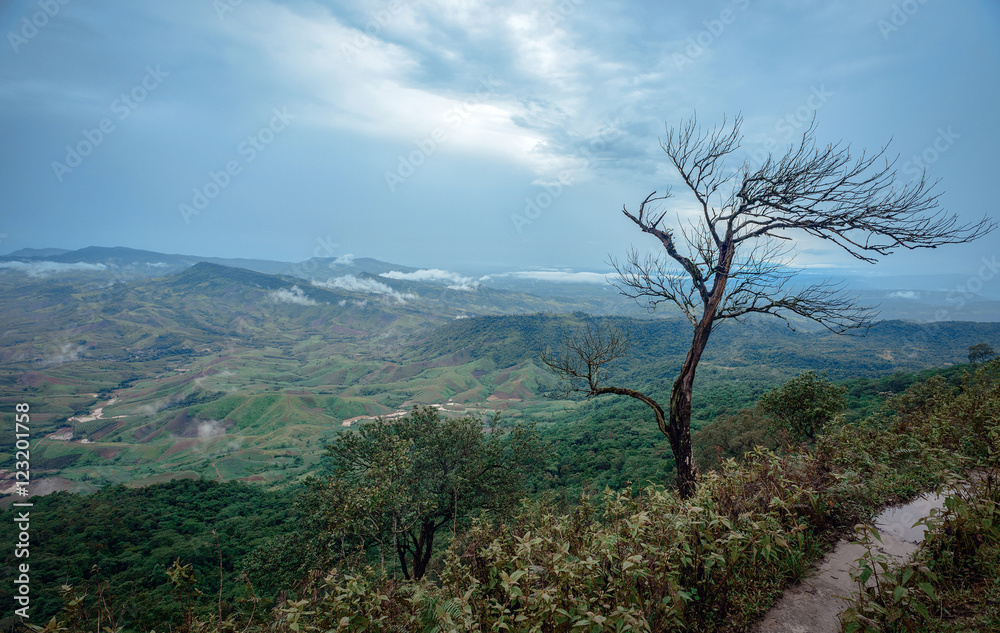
(231, 373)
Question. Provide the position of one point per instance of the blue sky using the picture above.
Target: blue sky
(460, 134)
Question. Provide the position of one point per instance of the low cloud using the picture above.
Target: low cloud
(344, 260)
(44, 269)
(151, 409)
(295, 295)
(210, 428)
(65, 353)
(454, 281)
(366, 285)
(562, 276)
(905, 294)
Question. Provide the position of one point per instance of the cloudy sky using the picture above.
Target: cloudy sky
(460, 134)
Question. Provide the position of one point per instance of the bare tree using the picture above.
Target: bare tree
(732, 259)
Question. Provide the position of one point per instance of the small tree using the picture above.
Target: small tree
(804, 404)
(397, 483)
(980, 353)
(728, 261)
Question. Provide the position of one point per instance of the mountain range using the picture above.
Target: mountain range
(929, 298)
(142, 366)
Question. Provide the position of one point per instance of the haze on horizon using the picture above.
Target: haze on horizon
(461, 135)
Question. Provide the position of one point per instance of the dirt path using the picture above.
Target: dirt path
(814, 606)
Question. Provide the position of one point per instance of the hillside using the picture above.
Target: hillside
(230, 373)
(638, 557)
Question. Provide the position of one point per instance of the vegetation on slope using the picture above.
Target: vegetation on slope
(643, 560)
(123, 540)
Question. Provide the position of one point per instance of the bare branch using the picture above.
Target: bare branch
(647, 225)
(584, 358)
(583, 365)
(650, 282)
(856, 203)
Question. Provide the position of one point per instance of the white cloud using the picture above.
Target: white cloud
(295, 295)
(344, 260)
(44, 269)
(65, 353)
(905, 294)
(358, 76)
(210, 428)
(436, 275)
(366, 285)
(150, 409)
(562, 276)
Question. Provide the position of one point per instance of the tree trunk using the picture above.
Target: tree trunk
(422, 555)
(680, 435)
(680, 411)
(401, 553)
(680, 396)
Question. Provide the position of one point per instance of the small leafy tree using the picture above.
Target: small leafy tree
(805, 403)
(980, 353)
(397, 483)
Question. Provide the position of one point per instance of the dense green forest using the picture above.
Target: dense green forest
(125, 539)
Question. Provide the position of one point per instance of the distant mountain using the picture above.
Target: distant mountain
(206, 273)
(36, 252)
(142, 263)
(659, 345)
(151, 262)
(928, 298)
(317, 267)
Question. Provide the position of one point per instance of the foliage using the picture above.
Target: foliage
(731, 436)
(646, 560)
(980, 352)
(115, 546)
(397, 482)
(805, 404)
(955, 566)
(650, 561)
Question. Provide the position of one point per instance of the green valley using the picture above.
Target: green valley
(231, 374)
